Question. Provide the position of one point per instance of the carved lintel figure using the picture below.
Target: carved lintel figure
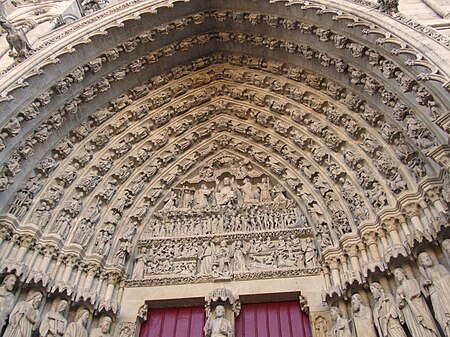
(413, 306)
(362, 318)
(24, 317)
(385, 313)
(17, 40)
(103, 329)
(219, 326)
(53, 323)
(340, 326)
(6, 298)
(436, 281)
(78, 327)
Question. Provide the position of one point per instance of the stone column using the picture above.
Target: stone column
(412, 212)
(354, 262)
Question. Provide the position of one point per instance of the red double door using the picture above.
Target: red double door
(279, 319)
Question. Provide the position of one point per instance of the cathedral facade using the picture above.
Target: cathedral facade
(219, 168)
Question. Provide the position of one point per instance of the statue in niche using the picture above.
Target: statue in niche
(54, 323)
(226, 194)
(24, 317)
(218, 326)
(248, 194)
(41, 216)
(436, 282)
(6, 298)
(104, 328)
(264, 190)
(78, 327)
(362, 318)
(413, 307)
(340, 326)
(386, 314)
(206, 258)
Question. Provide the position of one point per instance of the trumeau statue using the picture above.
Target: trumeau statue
(25, 317)
(6, 298)
(78, 327)
(218, 326)
(436, 281)
(413, 307)
(53, 323)
(362, 318)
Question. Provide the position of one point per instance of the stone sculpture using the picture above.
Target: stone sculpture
(339, 326)
(436, 281)
(6, 298)
(386, 314)
(17, 41)
(78, 327)
(218, 326)
(413, 307)
(104, 329)
(25, 317)
(362, 318)
(53, 323)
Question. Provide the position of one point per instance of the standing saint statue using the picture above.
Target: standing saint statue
(340, 326)
(6, 298)
(78, 328)
(385, 313)
(436, 282)
(362, 318)
(54, 323)
(25, 317)
(414, 309)
(219, 326)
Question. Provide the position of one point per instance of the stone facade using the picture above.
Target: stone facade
(185, 150)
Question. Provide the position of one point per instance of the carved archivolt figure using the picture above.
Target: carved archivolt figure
(415, 311)
(219, 326)
(6, 298)
(385, 313)
(362, 318)
(54, 324)
(25, 317)
(436, 281)
(340, 326)
(78, 328)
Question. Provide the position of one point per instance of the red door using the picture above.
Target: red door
(280, 319)
(277, 319)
